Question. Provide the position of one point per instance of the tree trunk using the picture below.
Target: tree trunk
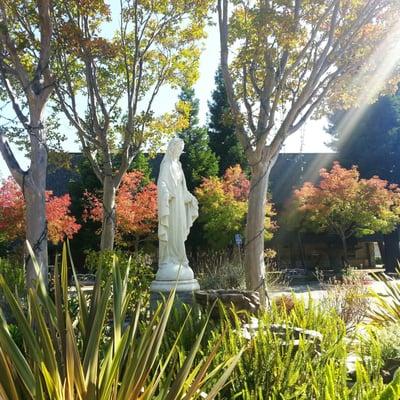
(34, 190)
(254, 244)
(391, 256)
(109, 214)
(345, 260)
(381, 246)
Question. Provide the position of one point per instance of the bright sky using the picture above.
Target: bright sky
(313, 132)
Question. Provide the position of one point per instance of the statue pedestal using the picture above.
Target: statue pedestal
(170, 277)
(181, 286)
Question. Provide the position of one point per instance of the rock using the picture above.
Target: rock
(284, 331)
(241, 300)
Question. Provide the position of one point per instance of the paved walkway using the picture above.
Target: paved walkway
(318, 291)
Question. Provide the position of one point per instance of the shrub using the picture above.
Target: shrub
(349, 297)
(228, 275)
(140, 269)
(384, 342)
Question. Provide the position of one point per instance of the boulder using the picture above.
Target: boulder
(243, 301)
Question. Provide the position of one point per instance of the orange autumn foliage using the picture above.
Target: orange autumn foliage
(344, 204)
(136, 208)
(60, 223)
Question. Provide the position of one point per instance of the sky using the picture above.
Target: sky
(311, 138)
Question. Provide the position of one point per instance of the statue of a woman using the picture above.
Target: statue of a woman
(177, 209)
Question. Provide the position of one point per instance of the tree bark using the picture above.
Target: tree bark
(345, 260)
(35, 84)
(391, 256)
(34, 190)
(381, 246)
(109, 214)
(254, 244)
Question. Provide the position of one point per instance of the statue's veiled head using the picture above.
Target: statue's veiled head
(175, 148)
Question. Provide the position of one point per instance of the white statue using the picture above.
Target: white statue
(177, 210)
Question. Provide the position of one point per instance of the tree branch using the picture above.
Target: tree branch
(222, 8)
(12, 163)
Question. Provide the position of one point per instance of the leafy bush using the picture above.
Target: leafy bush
(60, 357)
(140, 269)
(390, 341)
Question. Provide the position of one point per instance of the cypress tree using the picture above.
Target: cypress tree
(221, 129)
(198, 160)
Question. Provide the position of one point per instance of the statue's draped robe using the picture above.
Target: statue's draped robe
(177, 209)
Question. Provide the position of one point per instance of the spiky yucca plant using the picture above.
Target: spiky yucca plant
(60, 356)
(386, 309)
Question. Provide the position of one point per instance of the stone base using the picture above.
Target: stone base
(181, 297)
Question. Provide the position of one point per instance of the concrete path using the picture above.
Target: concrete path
(318, 291)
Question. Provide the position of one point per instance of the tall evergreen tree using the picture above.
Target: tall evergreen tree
(373, 145)
(198, 160)
(221, 129)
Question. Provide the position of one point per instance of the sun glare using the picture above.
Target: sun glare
(386, 57)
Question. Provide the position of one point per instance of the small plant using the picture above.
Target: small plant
(284, 303)
(275, 278)
(348, 296)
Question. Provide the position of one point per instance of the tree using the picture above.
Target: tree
(27, 83)
(198, 160)
(136, 204)
(373, 145)
(291, 58)
(60, 223)
(223, 207)
(156, 44)
(86, 181)
(141, 163)
(221, 129)
(346, 205)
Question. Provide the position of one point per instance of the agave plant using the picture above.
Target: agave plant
(386, 309)
(60, 356)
